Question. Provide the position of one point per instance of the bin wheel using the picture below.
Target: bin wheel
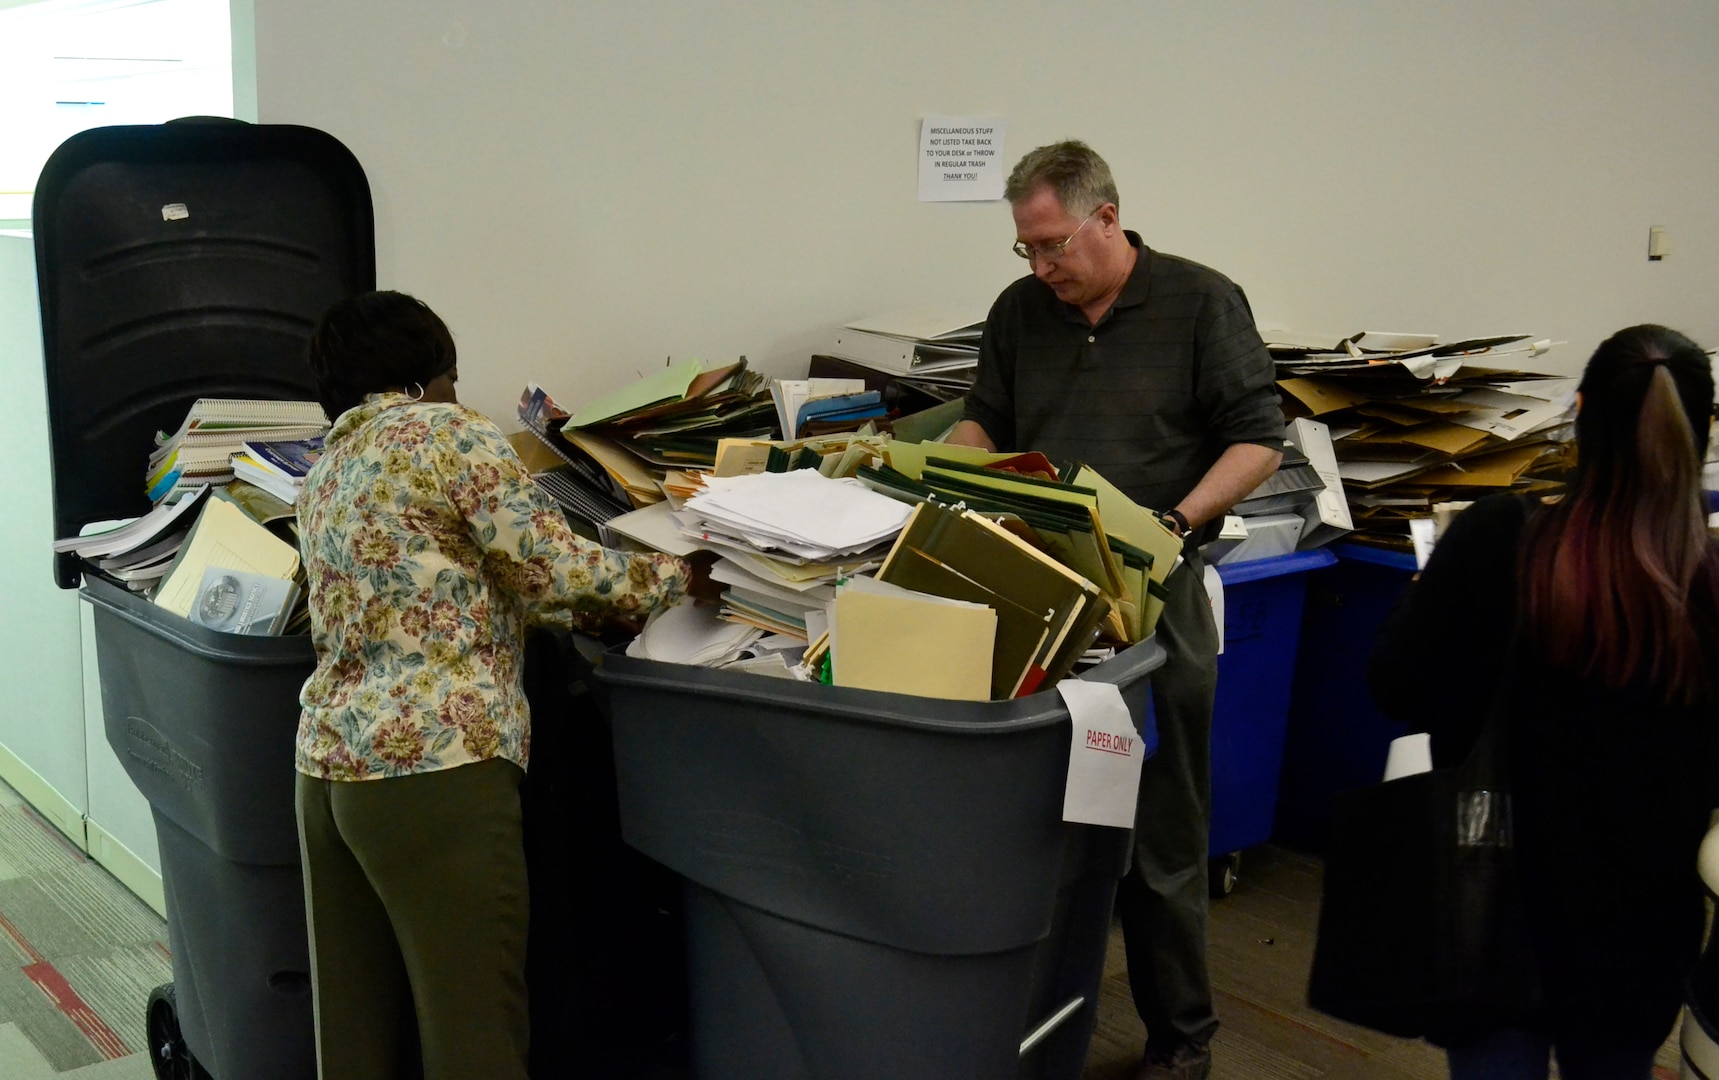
(168, 1054)
(1222, 873)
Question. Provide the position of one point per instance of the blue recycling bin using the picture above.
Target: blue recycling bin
(1337, 738)
(1263, 601)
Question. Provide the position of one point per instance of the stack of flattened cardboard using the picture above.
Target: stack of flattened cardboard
(1415, 424)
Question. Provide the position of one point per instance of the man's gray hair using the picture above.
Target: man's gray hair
(1072, 169)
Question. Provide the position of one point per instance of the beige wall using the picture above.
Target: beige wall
(585, 188)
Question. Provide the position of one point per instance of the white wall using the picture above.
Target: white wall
(584, 188)
(53, 747)
(41, 674)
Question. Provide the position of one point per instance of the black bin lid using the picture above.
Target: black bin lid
(177, 261)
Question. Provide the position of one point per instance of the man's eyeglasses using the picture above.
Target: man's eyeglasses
(1049, 251)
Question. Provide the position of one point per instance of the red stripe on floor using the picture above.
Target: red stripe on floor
(60, 992)
(24, 945)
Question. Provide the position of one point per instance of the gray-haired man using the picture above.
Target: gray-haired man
(1148, 368)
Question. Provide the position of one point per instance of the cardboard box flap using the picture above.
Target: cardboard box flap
(1321, 396)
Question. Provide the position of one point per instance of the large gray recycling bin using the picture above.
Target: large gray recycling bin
(878, 885)
(204, 723)
(173, 262)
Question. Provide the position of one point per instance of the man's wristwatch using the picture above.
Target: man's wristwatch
(1176, 521)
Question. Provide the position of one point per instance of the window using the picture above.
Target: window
(68, 65)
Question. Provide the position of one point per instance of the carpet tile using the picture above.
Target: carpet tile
(79, 955)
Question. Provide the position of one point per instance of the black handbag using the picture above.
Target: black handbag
(1421, 929)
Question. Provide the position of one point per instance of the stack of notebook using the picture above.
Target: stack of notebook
(773, 590)
(220, 557)
(771, 602)
(138, 553)
(279, 467)
(201, 452)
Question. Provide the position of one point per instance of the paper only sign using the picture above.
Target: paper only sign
(1105, 757)
(961, 159)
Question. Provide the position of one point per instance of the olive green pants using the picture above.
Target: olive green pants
(415, 893)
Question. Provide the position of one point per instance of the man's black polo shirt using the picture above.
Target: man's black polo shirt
(1173, 374)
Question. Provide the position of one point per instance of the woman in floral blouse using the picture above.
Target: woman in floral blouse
(428, 552)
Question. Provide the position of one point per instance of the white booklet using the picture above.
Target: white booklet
(240, 602)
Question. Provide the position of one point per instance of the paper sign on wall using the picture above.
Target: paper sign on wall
(1105, 757)
(961, 158)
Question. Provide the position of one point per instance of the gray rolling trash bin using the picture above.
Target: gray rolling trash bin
(175, 262)
(203, 722)
(878, 885)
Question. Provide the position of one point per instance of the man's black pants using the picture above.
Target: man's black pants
(1162, 902)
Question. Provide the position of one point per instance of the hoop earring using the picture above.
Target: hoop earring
(419, 396)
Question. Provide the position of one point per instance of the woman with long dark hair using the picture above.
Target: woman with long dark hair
(1589, 628)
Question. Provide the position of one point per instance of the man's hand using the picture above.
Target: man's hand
(969, 433)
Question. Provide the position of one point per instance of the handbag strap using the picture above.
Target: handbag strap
(1485, 817)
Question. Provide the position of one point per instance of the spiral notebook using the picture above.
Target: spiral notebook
(214, 429)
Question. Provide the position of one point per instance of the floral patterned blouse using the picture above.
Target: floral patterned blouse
(428, 550)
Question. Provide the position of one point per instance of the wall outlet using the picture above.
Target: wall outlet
(1658, 245)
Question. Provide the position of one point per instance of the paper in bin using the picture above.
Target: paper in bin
(1408, 755)
(1104, 758)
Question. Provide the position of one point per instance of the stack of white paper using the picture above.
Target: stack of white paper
(765, 600)
(692, 634)
(801, 514)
